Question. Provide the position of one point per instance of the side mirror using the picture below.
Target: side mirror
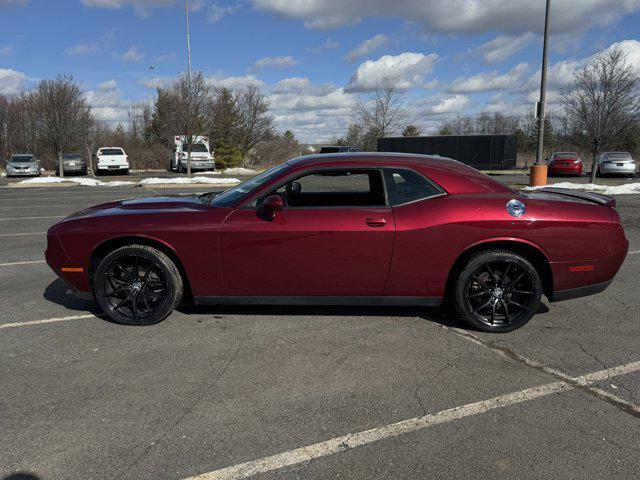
(272, 204)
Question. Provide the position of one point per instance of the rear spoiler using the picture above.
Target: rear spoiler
(598, 198)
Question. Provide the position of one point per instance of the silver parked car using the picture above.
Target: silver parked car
(23, 164)
(616, 163)
(72, 163)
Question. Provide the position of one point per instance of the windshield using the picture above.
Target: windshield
(72, 157)
(21, 158)
(618, 155)
(197, 147)
(229, 197)
(111, 151)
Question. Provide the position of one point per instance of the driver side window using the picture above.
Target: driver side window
(335, 189)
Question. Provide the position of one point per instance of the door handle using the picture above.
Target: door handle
(375, 222)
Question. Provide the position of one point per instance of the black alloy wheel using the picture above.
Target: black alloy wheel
(498, 291)
(137, 285)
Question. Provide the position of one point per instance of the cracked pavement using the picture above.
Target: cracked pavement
(214, 387)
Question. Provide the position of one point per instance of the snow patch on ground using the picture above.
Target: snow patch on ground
(214, 172)
(239, 171)
(625, 189)
(92, 182)
(2, 174)
(187, 181)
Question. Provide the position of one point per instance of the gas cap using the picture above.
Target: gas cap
(515, 208)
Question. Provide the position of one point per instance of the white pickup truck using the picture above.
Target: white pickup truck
(201, 156)
(109, 159)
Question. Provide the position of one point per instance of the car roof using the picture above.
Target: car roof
(452, 175)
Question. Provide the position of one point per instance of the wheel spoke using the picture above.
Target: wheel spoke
(493, 313)
(504, 274)
(513, 302)
(484, 305)
(145, 299)
(134, 305)
(113, 278)
(514, 282)
(522, 292)
(122, 302)
(479, 294)
(126, 272)
(506, 311)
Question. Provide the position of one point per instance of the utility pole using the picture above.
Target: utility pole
(540, 108)
(186, 11)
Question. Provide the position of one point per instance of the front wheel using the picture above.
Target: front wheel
(137, 285)
(497, 291)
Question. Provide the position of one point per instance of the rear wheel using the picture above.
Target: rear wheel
(137, 285)
(497, 291)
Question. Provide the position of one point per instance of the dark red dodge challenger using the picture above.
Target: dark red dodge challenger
(345, 229)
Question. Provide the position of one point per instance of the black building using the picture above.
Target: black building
(484, 152)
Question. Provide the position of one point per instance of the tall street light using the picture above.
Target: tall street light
(540, 108)
(186, 11)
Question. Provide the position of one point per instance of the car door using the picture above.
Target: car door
(334, 237)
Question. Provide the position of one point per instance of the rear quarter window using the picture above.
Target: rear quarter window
(405, 186)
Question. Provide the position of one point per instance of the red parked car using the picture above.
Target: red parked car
(356, 229)
(565, 163)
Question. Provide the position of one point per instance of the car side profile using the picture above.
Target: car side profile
(345, 229)
(20, 164)
(565, 163)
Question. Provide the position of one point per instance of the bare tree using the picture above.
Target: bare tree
(140, 119)
(182, 109)
(603, 105)
(63, 114)
(382, 112)
(254, 122)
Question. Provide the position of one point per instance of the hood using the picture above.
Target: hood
(177, 203)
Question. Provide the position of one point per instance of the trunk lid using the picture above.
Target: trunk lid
(575, 195)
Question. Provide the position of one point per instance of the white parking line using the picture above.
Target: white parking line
(29, 218)
(30, 262)
(21, 234)
(352, 440)
(46, 320)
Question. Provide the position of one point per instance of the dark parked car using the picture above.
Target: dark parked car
(345, 229)
(72, 163)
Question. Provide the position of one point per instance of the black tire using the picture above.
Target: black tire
(126, 171)
(137, 285)
(497, 291)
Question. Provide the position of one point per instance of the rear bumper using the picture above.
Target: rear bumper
(75, 169)
(613, 169)
(112, 167)
(565, 170)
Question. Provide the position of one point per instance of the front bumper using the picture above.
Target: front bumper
(22, 173)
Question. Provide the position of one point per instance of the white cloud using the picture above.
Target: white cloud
(132, 55)
(108, 104)
(274, 62)
(460, 16)
(488, 81)
(328, 44)
(154, 82)
(406, 70)
(217, 12)
(142, 8)
(503, 46)
(234, 83)
(82, 49)
(12, 82)
(443, 104)
(365, 48)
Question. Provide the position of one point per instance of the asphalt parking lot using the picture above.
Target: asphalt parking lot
(368, 392)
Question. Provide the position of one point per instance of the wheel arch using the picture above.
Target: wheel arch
(530, 251)
(105, 247)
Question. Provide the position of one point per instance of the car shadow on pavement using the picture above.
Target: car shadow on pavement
(21, 476)
(441, 315)
(56, 292)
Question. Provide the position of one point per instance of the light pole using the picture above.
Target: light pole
(186, 11)
(540, 110)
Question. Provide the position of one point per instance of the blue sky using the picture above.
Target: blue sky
(314, 57)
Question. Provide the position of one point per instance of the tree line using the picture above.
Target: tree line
(600, 111)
